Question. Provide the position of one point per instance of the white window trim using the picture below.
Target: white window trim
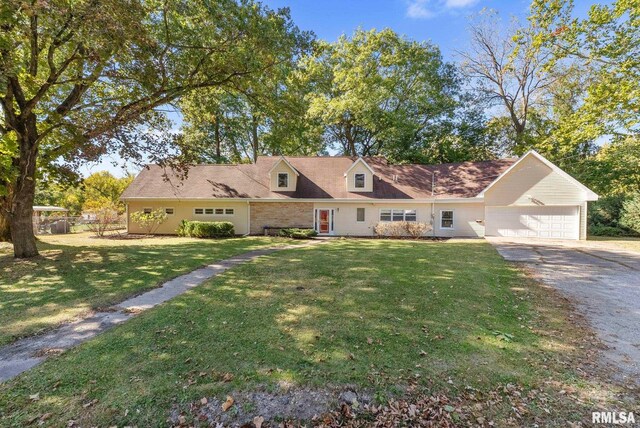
(169, 208)
(278, 180)
(404, 214)
(355, 181)
(453, 220)
(365, 215)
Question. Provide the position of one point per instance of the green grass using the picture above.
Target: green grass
(376, 314)
(77, 273)
(627, 243)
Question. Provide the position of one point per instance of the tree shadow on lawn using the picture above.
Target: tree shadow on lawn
(68, 281)
(375, 315)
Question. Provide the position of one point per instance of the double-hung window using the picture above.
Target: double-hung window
(359, 180)
(359, 215)
(397, 215)
(446, 219)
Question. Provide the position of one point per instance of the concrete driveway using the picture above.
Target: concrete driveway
(602, 281)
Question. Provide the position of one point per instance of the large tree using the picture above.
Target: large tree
(379, 93)
(606, 46)
(79, 78)
(507, 68)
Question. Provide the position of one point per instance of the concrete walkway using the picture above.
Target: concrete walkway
(31, 351)
(602, 281)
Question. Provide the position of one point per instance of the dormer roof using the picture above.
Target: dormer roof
(283, 159)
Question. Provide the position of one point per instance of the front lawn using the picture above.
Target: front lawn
(387, 318)
(76, 273)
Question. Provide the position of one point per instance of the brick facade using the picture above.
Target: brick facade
(280, 214)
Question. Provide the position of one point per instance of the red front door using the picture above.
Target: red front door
(324, 221)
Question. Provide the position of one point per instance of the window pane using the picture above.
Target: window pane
(199, 211)
(385, 215)
(359, 179)
(410, 215)
(208, 211)
(219, 211)
(228, 211)
(146, 210)
(283, 179)
(447, 219)
(168, 211)
(359, 214)
(398, 215)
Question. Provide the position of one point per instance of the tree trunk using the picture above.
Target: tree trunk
(254, 138)
(217, 137)
(24, 189)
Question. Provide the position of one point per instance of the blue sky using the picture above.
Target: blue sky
(443, 22)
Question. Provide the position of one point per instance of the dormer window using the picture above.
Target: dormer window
(283, 180)
(359, 181)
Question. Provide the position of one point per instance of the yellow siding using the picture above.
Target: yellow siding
(532, 182)
(359, 168)
(183, 210)
(293, 178)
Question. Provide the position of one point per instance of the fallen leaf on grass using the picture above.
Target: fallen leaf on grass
(227, 404)
(34, 397)
(204, 401)
(257, 421)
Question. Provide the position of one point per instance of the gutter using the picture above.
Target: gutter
(435, 199)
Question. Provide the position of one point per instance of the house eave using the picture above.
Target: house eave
(470, 200)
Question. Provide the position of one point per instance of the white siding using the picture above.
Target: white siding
(468, 217)
(532, 182)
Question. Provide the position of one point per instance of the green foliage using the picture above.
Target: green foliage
(81, 79)
(598, 230)
(606, 47)
(297, 233)
(149, 221)
(378, 93)
(605, 211)
(102, 188)
(206, 229)
(630, 214)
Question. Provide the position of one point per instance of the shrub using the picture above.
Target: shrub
(606, 211)
(297, 233)
(417, 229)
(106, 219)
(397, 229)
(599, 230)
(206, 229)
(149, 221)
(630, 214)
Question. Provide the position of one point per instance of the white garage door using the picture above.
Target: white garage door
(533, 222)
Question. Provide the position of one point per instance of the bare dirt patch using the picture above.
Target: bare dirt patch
(240, 409)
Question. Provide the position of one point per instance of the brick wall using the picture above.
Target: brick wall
(280, 214)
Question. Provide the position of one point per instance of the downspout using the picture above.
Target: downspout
(433, 204)
(126, 211)
(248, 219)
